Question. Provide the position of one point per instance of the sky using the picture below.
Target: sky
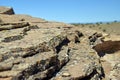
(68, 11)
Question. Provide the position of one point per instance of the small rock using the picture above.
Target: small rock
(66, 74)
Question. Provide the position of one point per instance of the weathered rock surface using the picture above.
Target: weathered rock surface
(36, 49)
(6, 10)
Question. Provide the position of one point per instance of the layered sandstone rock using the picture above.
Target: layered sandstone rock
(36, 49)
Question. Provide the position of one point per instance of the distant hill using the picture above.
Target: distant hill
(109, 27)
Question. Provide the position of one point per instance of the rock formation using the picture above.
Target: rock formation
(36, 49)
(107, 47)
(6, 10)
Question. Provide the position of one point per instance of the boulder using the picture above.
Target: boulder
(6, 10)
(107, 47)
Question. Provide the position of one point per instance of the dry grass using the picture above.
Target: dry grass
(110, 28)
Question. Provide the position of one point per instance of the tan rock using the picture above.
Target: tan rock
(6, 10)
(66, 74)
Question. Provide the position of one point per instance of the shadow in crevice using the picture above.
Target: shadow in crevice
(93, 74)
(58, 66)
(101, 54)
(64, 42)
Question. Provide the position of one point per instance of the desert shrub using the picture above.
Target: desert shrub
(75, 24)
(90, 26)
(82, 25)
(22, 19)
(97, 24)
(100, 22)
(100, 28)
(115, 21)
(93, 25)
(108, 23)
(104, 30)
